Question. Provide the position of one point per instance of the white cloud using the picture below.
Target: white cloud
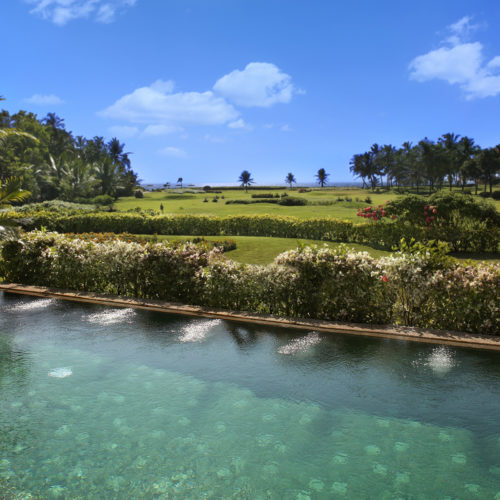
(44, 100)
(259, 84)
(240, 125)
(286, 128)
(494, 63)
(124, 131)
(154, 130)
(460, 62)
(61, 12)
(457, 64)
(174, 152)
(157, 105)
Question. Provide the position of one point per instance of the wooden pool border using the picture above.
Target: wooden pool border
(384, 331)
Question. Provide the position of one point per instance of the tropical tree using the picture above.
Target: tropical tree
(322, 177)
(246, 179)
(290, 179)
(117, 154)
(10, 192)
(488, 161)
(357, 167)
(179, 181)
(452, 160)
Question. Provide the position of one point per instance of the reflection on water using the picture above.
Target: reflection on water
(153, 409)
(197, 330)
(301, 344)
(111, 316)
(32, 305)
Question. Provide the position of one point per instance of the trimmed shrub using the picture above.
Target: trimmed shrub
(417, 287)
(263, 195)
(290, 201)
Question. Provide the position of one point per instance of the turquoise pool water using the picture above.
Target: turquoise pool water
(99, 403)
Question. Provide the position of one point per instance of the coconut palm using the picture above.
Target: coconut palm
(246, 179)
(117, 154)
(322, 176)
(179, 181)
(290, 179)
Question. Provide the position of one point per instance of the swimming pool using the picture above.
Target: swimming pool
(98, 402)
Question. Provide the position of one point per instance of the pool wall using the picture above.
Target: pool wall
(385, 331)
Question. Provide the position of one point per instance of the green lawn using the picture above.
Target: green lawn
(177, 201)
(260, 250)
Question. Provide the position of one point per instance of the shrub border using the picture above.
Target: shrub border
(429, 336)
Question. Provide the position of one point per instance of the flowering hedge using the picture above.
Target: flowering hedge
(405, 288)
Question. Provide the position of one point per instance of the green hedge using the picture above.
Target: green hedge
(417, 288)
(463, 235)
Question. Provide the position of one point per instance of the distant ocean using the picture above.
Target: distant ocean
(150, 186)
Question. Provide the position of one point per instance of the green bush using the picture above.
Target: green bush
(263, 195)
(417, 287)
(103, 200)
(290, 201)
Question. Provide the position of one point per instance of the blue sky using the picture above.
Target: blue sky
(204, 89)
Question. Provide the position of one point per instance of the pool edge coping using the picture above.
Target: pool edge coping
(383, 331)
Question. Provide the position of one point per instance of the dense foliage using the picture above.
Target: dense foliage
(418, 287)
(55, 164)
(451, 160)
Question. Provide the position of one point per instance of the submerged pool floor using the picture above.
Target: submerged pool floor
(116, 403)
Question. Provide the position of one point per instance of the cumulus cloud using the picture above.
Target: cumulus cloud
(61, 12)
(163, 110)
(158, 105)
(44, 100)
(259, 84)
(460, 62)
(174, 152)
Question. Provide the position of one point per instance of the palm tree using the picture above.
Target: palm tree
(10, 192)
(246, 179)
(322, 176)
(179, 181)
(10, 132)
(449, 142)
(290, 179)
(117, 154)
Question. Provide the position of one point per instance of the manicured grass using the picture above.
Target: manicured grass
(259, 250)
(177, 201)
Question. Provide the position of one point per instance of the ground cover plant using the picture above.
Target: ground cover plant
(418, 286)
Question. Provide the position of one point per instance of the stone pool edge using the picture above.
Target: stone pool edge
(384, 331)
